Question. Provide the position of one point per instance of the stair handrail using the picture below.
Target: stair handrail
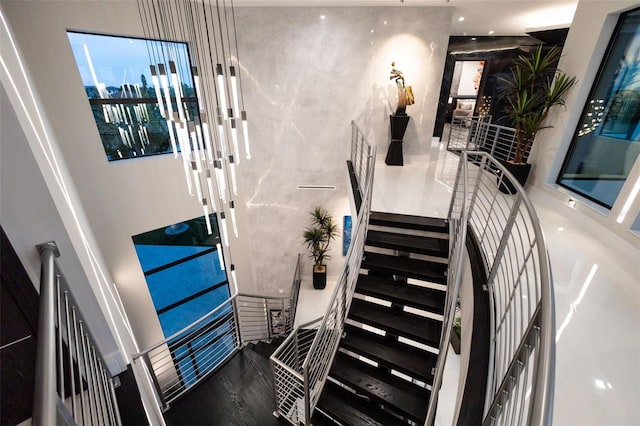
(521, 297)
(67, 355)
(457, 219)
(301, 365)
(241, 319)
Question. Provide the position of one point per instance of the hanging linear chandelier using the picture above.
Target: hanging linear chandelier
(205, 138)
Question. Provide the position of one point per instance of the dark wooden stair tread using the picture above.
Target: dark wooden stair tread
(409, 243)
(351, 409)
(407, 267)
(406, 398)
(401, 293)
(390, 354)
(415, 327)
(409, 222)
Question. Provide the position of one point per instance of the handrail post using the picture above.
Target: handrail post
(236, 320)
(307, 397)
(154, 379)
(44, 404)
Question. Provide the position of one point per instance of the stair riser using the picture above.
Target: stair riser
(396, 251)
(406, 231)
(395, 331)
(395, 393)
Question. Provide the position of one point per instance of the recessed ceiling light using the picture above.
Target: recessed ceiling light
(371, 29)
(385, 22)
(464, 34)
(491, 32)
(322, 17)
(460, 19)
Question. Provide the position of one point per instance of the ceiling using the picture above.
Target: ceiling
(503, 17)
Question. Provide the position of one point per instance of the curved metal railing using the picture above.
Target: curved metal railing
(522, 347)
(190, 355)
(301, 364)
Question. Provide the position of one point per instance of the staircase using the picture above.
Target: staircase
(383, 367)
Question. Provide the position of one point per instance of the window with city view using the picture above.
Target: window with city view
(123, 94)
(606, 143)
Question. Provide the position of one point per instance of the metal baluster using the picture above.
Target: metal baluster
(60, 374)
(353, 141)
(107, 391)
(74, 404)
(285, 319)
(94, 385)
(115, 403)
(87, 376)
(99, 395)
(496, 138)
(84, 407)
(360, 160)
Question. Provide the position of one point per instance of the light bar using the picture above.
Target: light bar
(232, 210)
(245, 135)
(223, 229)
(221, 92)
(220, 257)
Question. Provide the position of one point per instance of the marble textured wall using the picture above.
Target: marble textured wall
(307, 72)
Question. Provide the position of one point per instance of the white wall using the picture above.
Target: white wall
(30, 217)
(588, 37)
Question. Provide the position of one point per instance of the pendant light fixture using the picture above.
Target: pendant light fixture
(208, 139)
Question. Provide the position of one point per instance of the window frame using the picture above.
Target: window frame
(609, 51)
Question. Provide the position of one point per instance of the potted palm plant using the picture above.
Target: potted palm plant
(317, 237)
(534, 87)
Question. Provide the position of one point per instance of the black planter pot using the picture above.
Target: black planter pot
(455, 341)
(519, 171)
(319, 276)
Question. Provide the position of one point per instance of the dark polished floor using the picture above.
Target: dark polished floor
(241, 393)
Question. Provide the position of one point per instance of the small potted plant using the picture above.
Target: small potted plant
(317, 237)
(534, 87)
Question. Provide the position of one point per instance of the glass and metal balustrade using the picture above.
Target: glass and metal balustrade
(192, 354)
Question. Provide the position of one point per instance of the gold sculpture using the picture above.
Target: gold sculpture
(405, 93)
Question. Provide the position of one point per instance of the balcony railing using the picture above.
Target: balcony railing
(184, 359)
(301, 364)
(522, 345)
(478, 134)
(72, 382)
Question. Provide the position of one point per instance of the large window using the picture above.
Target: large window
(123, 93)
(607, 141)
(183, 269)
